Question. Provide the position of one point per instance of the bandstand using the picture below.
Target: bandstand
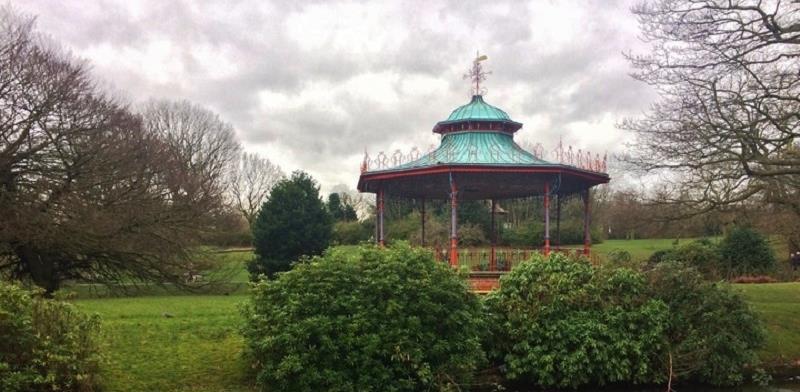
(478, 159)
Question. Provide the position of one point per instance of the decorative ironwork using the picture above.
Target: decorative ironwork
(479, 258)
(564, 155)
(580, 159)
(382, 161)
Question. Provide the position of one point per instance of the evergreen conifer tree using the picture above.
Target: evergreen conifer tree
(294, 222)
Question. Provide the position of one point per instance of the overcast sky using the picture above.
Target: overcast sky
(310, 85)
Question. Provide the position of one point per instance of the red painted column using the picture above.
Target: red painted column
(546, 219)
(453, 224)
(493, 257)
(381, 200)
(587, 236)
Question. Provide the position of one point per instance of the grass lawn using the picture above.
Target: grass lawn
(779, 307)
(171, 343)
(639, 249)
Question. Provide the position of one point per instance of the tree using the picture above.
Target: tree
(339, 210)
(252, 178)
(294, 222)
(87, 192)
(200, 140)
(727, 120)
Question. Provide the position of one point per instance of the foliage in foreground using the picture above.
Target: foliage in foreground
(558, 322)
(45, 345)
(712, 333)
(294, 222)
(376, 319)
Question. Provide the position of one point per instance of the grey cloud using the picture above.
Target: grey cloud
(440, 39)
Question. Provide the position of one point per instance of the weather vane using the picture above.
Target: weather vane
(477, 74)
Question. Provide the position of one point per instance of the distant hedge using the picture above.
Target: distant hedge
(45, 345)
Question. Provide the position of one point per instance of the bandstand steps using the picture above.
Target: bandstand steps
(484, 282)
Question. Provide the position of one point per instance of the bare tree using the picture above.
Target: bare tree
(86, 193)
(251, 180)
(726, 124)
(200, 139)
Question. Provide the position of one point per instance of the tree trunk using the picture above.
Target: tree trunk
(42, 269)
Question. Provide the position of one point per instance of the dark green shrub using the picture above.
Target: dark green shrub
(559, 322)
(532, 235)
(365, 320)
(745, 251)
(294, 222)
(45, 345)
(339, 210)
(660, 256)
(712, 334)
(471, 235)
(523, 236)
(352, 232)
(702, 255)
(572, 232)
(405, 227)
(617, 258)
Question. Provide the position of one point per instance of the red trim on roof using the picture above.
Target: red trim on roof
(386, 175)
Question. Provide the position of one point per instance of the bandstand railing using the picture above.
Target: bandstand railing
(479, 259)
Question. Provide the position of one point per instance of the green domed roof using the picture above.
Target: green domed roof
(477, 109)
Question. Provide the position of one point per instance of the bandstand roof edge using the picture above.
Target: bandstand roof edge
(477, 182)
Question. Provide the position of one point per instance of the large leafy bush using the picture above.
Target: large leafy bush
(368, 319)
(559, 322)
(712, 334)
(45, 345)
(745, 251)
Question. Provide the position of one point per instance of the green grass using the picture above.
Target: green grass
(234, 265)
(173, 343)
(639, 249)
(778, 304)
